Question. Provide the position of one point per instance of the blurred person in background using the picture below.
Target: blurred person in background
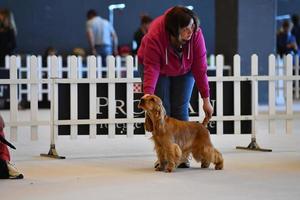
(8, 33)
(286, 41)
(142, 30)
(101, 36)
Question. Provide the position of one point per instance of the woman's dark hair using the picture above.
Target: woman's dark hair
(179, 17)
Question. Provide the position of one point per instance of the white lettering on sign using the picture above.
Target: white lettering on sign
(102, 102)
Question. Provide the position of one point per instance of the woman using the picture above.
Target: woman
(173, 57)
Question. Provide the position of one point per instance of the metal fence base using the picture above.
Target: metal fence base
(52, 153)
(254, 146)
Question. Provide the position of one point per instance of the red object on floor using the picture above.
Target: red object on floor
(4, 152)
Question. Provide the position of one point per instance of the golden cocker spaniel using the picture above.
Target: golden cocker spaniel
(174, 139)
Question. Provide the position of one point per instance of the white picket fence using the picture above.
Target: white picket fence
(94, 76)
(64, 71)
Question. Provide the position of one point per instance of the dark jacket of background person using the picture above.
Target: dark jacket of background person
(142, 30)
(7, 36)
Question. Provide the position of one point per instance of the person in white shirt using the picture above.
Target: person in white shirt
(101, 35)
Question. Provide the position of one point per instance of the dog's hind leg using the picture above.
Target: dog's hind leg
(211, 155)
(218, 160)
(200, 154)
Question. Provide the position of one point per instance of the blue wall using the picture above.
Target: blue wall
(61, 23)
(288, 7)
(257, 35)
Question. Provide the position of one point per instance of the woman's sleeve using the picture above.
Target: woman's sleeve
(151, 62)
(199, 66)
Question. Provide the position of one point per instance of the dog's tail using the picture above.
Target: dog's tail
(205, 121)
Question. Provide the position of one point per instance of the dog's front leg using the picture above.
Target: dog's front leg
(161, 156)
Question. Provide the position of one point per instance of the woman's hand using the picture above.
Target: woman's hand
(145, 95)
(208, 109)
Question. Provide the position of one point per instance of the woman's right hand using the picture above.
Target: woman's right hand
(208, 109)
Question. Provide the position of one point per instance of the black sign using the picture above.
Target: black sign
(4, 90)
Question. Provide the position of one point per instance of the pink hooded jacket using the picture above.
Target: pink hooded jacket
(158, 57)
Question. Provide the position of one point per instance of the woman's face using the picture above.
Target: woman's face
(186, 33)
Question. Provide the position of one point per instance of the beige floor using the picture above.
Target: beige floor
(121, 168)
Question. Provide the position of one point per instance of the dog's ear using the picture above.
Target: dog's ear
(160, 115)
(148, 123)
(159, 108)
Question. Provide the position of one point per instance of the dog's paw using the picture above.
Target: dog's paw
(169, 169)
(159, 167)
(205, 164)
(219, 166)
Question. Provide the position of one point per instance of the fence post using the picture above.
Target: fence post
(110, 60)
(13, 97)
(27, 71)
(40, 71)
(272, 96)
(34, 95)
(280, 64)
(130, 99)
(237, 93)
(6, 62)
(91, 64)
(74, 95)
(99, 67)
(254, 93)
(53, 63)
(289, 93)
(297, 95)
(219, 92)
(118, 67)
